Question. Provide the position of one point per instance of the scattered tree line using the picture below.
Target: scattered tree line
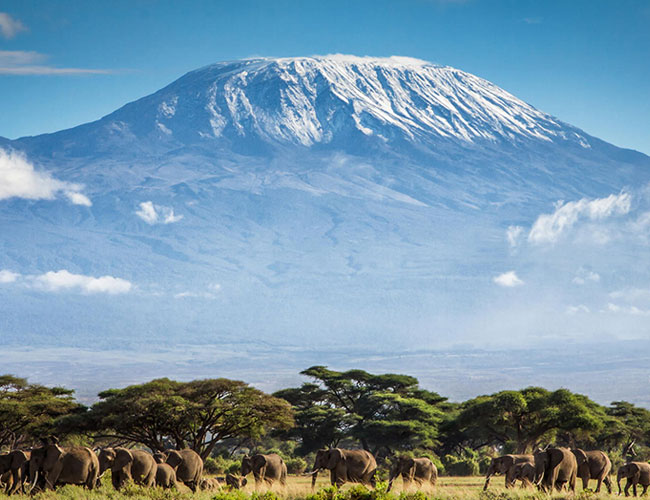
(388, 415)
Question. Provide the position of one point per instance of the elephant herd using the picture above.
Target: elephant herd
(51, 465)
(557, 468)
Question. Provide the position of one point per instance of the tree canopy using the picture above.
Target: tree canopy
(30, 411)
(197, 414)
(528, 418)
(379, 411)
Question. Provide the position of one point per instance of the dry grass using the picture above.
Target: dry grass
(299, 488)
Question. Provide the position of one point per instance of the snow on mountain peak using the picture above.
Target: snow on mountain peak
(336, 101)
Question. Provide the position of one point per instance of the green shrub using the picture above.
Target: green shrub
(295, 465)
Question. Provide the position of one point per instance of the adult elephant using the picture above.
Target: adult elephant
(128, 465)
(188, 466)
(14, 469)
(265, 468)
(418, 470)
(505, 464)
(56, 465)
(593, 465)
(556, 468)
(165, 476)
(356, 466)
(635, 473)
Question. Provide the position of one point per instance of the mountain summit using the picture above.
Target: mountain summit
(337, 101)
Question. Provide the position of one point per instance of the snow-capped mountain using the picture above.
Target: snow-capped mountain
(318, 201)
(334, 101)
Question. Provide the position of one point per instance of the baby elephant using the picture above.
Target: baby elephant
(209, 484)
(235, 482)
(165, 476)
(635, 473)
(525, 472)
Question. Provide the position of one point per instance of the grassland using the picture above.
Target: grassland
(299, 488)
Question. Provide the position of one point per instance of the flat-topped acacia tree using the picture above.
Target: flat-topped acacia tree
(197, 414)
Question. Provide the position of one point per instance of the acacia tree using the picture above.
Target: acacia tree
(30, 411)
(385, 411)
(197, 414)
(528, 418)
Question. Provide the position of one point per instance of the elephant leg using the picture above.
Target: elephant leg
(645, 488)
(332, 477)
(608, 484)
(510, 478)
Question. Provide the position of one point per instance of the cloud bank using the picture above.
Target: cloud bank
(19, 179)
(549, 227)
(21, 62)
(55, 281)
(157, 214)
(508, 279)
(10, 27)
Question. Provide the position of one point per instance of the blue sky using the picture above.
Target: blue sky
(584, 61)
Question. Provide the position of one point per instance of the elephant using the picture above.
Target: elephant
(14, 469)
(505, 464)
(188, 466)
(356, 466)
(136, 465)
(555, 468)
(165, 476)
(265, 468)
(419, 470)
(236, 482)
(635, 473)
(593, 465)
(525, 472)
(209, 484)
(78, 465)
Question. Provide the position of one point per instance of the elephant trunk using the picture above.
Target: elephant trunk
(314, 475)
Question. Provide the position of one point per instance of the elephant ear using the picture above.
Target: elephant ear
(334, 456)
(123, 458)
(174, 458)
(259, 461)
(581, 456)
(19, 459)
(52, 454)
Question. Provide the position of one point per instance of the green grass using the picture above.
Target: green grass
(299, 488)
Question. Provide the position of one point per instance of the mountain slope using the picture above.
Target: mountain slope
(320, 202)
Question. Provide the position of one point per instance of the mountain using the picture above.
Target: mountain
(322, 204)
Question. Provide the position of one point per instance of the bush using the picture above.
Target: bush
(461, 466)
(295, 465)
(221, 465)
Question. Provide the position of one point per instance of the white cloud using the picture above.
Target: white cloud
(631, 294)
(585, 275)
(572, 310)
(23, 62)
(549, 227)
(18, 179)
(54, 281)
(7, 276)
(508, 279)
(213, 289)
(10, 27)
(513, 234)
(78, 198)
(155, 214)
(632, 310)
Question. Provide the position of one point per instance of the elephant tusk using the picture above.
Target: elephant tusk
(34, 482)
